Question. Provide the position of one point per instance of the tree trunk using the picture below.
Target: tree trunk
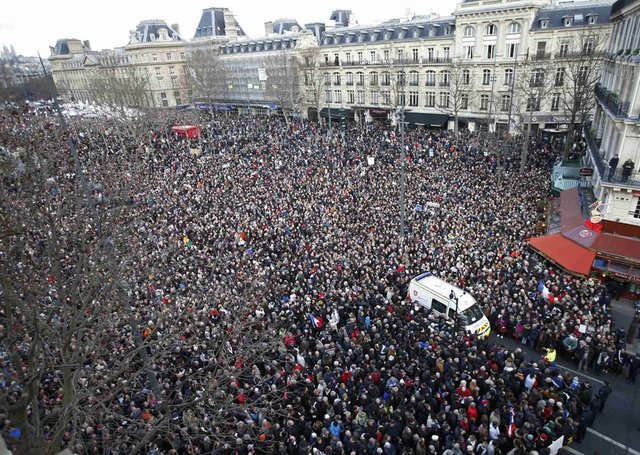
(570, 134)
(525, 146)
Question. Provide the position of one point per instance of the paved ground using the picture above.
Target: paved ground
(615, 431)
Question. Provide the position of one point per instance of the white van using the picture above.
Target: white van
(440, 296)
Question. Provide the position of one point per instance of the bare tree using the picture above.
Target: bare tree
(461, 90)
(532, 84)
(578, 72)
(282, 82)
(207, 76)
(313, 76)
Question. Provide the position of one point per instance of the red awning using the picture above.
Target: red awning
(564, 252)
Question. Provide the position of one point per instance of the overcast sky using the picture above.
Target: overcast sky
(34, 25)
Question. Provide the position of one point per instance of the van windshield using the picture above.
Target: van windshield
(472, 314)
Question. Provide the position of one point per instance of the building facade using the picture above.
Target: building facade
(435, 69)
(615, 131)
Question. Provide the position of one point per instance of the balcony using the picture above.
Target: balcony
(444, 84)
(541, 56)
(436, 60)
(610, 100)
(603, 167)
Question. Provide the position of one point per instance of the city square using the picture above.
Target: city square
(419, 236)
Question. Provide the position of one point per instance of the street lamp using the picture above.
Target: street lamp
(403, 158)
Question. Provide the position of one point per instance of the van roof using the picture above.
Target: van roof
(465, 300)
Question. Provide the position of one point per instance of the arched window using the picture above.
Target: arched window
(413, 78)
(491, 29)
(431, 78)
(469, 31)
(466, 77)
(515, 27)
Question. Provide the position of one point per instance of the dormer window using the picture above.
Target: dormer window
(416, 32)
(567, 21)
(593, 19)
(544, 23)
(447, 30)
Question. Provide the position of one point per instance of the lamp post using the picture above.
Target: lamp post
(403, 159)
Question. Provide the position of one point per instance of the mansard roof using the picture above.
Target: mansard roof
(391, 30)
(579, 13)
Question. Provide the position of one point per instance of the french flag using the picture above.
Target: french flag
(542, 289)
(511, 425)
(316, 322)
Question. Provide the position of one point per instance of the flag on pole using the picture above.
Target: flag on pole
(511, 425)
(542, 289)
(316, 322)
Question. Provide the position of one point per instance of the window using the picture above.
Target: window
(505, 102)
(469, 31)
(491, 29)
(326, 58)
(446, 53)
(349, 78)
(444, 78)
(414, 78)
(431, 99)
(168, 55)
(385, 54)
(327, 96)
(464, 101)
(588, 47)
(327, 79)
(466, 77)
(360, 78)
(401, 79)
(386, 98)
(172, 70)
(414, 55)
(413, 99)
(154, 57)
(348, 57)
(467, 52)
(176, 95)
(438, 306)
(489, 51)
(336, 59)
(484, 102)
(544, 23)
(537, 78)
(338, 96)
(375, 97)
(636, 212)
(555, 102)
(512, 50)
(158, 72)
(400, 55)
(486, 77)
(430, 54)
(559, 80)
(431, 78)
(351, 97)
(360, 57)
(533, 104)
(514, 27)
(373, 78)
(182, 56)
(541, 49)
(564, 49)
(593, 19)
(445, 98)
(163, 99)
(401, 99)
(372, 54)
(508, 76)
(386, 78)
(568, 21)
(336, 79)
(582, 75)
(360, 95)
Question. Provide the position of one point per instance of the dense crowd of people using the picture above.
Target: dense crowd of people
(292, 232)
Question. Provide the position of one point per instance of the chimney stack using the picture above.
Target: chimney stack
(268, 28)
(87, 44)
(176, 28)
